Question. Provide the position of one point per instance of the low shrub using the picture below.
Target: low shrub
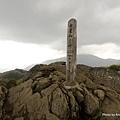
(115, 67)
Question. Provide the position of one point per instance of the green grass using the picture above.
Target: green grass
(99, 112)
(11, 83)
(113, 67)
(18, 82)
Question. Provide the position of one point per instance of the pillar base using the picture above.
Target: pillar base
(70, 85)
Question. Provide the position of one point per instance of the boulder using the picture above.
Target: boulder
(79, 97)
(91, 104)
(111, 106)
(100, 94)
(17, 97)
(20, 118)
(41, 84)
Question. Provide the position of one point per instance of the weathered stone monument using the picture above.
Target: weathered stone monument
(71, 52)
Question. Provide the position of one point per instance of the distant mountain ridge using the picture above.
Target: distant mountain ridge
(90, 60)
(86, 59)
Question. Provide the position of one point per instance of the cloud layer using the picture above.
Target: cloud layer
(19, 55)
(44, 22)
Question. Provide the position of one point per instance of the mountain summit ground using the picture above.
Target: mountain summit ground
(42, 95)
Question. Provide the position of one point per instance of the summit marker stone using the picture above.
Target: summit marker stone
(71, 52)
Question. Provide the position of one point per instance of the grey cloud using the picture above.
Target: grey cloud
(32, 21)
(95, 30)
(45, 21)
(109, 4)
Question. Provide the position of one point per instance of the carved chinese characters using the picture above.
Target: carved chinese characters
(71, 52)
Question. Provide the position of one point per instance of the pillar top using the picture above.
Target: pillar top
(72, 19)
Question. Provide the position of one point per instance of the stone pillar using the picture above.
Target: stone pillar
(71, 52)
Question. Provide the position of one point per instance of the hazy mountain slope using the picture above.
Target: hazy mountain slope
(13, 74)
(88, 59)
(95, 61)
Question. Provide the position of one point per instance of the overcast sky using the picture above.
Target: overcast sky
(32, 31)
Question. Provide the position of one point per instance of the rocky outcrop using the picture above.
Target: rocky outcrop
(106, 77)
(43, 96)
